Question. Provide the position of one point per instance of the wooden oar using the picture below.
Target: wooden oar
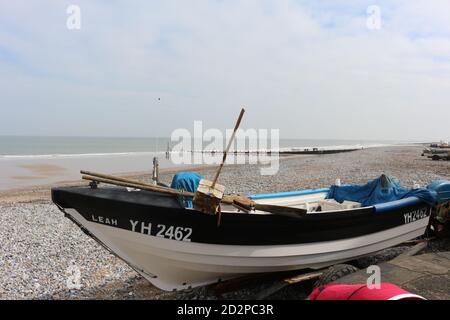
(110, 177)
(281, 210)
(140, 186)
(278, 210)
(209, 194)
(123, 182)
(225, 153)
(241, 203)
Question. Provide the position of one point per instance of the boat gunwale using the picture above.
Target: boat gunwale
(341, 213)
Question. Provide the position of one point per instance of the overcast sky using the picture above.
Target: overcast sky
(313, 69)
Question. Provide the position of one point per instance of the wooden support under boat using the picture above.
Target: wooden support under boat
(415, 250)
(304, 277)
(281, 284)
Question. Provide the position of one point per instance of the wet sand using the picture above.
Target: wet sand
(25, 172)
(42, 192)
(44, 169)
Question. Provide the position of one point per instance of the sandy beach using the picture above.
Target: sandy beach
(40, 248)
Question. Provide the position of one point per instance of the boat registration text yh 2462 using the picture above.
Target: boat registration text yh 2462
(157, 230)
(162, 230)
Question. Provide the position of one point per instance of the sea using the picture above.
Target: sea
(28, 161)
(50, 147)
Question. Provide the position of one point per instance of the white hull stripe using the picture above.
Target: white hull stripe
(179, 265)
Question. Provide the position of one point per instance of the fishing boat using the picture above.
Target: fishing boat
(177, 247)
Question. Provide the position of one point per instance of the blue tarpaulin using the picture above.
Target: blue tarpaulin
(381, 190)
(186, 181)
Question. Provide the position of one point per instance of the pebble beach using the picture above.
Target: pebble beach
(42, 251)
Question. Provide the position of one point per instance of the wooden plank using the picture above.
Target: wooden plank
(304, 277)
(118, 181)
(279, 285)
(415, 250)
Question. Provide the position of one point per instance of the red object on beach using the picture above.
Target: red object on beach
(386, 291)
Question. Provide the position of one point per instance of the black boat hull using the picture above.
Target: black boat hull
(177, 248)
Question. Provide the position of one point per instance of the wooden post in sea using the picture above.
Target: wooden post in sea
(168, 151)
(155, 174)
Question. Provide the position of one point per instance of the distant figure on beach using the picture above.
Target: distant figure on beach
(168, 151)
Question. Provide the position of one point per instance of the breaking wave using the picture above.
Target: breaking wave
(76, 155)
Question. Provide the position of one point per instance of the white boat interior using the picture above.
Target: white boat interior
(310, 200)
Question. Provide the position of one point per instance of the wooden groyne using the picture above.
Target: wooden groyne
(306, 151)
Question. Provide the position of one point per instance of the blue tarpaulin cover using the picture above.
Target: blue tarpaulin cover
(186, 181)
(381, 190)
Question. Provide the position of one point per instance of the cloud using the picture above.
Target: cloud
(310, 68)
